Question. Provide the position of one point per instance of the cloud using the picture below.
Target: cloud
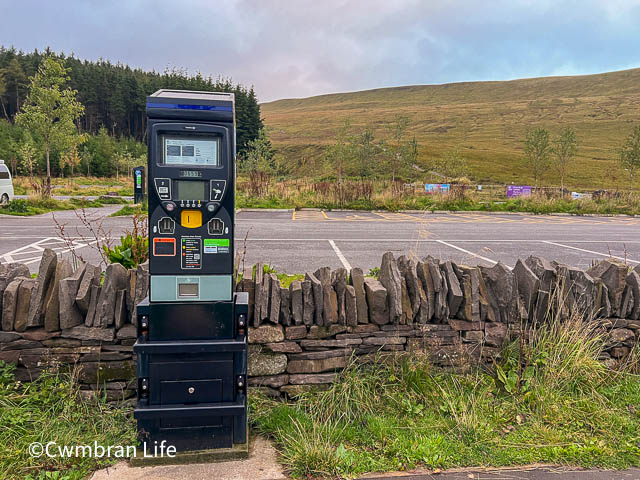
(307, 47)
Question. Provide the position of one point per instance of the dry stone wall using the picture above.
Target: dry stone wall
(459, 315)
(302, 335)
(82, 317)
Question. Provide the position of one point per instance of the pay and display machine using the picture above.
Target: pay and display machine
(192, 329)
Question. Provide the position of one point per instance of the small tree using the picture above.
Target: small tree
(71, 157)
(259, 163)
(565, 148)
(630, 154)
(123, 163)
(395, 146)
(50, 112)
(365, 152)
(537, 148)
(259, 154)
(27, 154)
(340, 152)
(452, 164)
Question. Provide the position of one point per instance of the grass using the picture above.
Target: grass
(305, 194)
(79, 186)
(51, 410)
(487, 120)
(549, 401)
(129, 210)
(39, 205)
(398, 413)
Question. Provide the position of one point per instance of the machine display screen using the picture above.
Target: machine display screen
(191, 151)
(192, 190)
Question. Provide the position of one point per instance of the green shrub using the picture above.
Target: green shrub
(133, 250)
(16, 206)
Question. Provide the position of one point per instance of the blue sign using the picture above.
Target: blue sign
(437, 187)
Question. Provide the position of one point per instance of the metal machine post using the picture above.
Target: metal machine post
(192, 329)
(139, 189)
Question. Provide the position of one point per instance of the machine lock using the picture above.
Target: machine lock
(144, 387)
(144, 326)
(241, 382)
(242, 323)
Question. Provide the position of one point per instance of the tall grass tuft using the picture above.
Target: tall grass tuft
(548, 399)
(50, 409)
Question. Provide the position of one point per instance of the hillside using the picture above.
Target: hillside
(488, 120)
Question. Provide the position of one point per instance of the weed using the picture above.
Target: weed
(134, 245)
(374, 272)
(285, 278)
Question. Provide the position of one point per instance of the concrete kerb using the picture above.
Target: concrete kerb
(435, 212)
(276, 210)
(531, 472)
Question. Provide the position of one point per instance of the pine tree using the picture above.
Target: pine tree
(114, 95)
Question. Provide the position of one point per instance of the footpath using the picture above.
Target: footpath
(522, 473)
(262, 464)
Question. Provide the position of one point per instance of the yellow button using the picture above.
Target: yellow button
(191, 218)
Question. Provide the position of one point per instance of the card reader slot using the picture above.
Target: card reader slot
(215, 226)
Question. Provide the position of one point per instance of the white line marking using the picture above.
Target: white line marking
(344, 261)
(469, 252)
(590, 251)
(75, 247)
(33, 236)
(36, 248)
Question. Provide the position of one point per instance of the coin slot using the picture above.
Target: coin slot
(191, 218)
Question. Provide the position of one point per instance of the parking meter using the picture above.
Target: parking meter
(192, 346)
(138, 185)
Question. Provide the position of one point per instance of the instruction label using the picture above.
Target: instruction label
(216, 245)
(191, 253)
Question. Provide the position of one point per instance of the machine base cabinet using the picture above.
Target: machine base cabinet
(192, 393)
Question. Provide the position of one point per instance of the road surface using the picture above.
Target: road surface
(305, 240)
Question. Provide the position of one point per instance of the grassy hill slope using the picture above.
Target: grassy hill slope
(488, 120)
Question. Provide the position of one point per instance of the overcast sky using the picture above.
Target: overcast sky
(299, 48)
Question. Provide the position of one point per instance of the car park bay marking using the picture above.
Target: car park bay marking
(342, 258)
(608, 255)
(493, 262)
(32, 252)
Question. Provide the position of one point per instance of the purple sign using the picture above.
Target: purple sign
(518, 191)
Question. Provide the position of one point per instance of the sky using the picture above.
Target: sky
(300, 48)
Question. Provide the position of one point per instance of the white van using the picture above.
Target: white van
(6, 184)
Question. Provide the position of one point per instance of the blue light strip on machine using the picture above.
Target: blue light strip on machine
(190, 107)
